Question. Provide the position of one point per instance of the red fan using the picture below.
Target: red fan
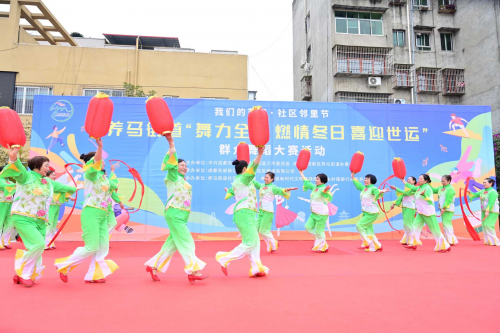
(159, 115)
(398, 168)
(11, 129)
(99, 115)
(258, 126)
(303, 159)
(243, 152)
(357, 162)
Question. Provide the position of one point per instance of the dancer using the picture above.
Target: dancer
(116, 199)
(55, 138)
(406, 198)
(30, 212)
(446, 197)
(489, 211)
(426, 214)
(94, 221)
(176, 214)
(369, 196)
(244, 217)
(7, 190)
(332, 209)
(320, 197)
(267, 192)
(55, 206)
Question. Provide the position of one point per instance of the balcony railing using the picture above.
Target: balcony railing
(362, 61)
(447, 7)
(453, 81)
(427, 80)
(403, 76)
(306, 88)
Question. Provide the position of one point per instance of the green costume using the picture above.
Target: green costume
(244, 217)
(406, 199)
(113, 187)
(315, 225)
(57, 200)
(30, 214)
(489, 203)
(446, 198)
(177, 213)
(369, 195)
(7, 190)
(94, 221)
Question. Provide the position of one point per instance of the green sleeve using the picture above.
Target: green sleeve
(113, 181)
(399, 191)
(473, 196)
(307, 185)
(428, 194)
(116, 197)
(450, 197)
(3, 183)
(171, 164)
(411, 187)
(60, 188)
(358, 185)
(435, 190)
(249, 175)
(327, 195)
(492, 198)
(376, 192)
(281, 191)
(399, 200)
(257, 184)
(92, 169)
(229, 194)
(17, 171)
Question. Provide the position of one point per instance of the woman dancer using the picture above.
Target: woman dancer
(406, 198)
(30, 212)
(176, 214)
(244, 217)
(489, 211)
(55, 206)
(267, 192)
(426, 214)
(7, 190)
(369, 196)
(94, 221)
(446, 197)
(320, 197)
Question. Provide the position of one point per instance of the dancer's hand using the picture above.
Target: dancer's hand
(121, 205)
(13, 152)
(79, 186)
(392, 207)
(442, 211)
(352, 175)
(327, 188)
(99, 142)
(114, 167)
(291, 189)
(392, 187)
(260, 151)
(486, 213)
(225, 188)
(385, 190)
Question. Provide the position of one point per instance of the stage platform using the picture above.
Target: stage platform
(345, 290)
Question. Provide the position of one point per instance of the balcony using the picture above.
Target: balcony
(453, 81)
(447, 7)
(359, 61)
(397, 2)
(427, 80)
(306, 88)
(403, 76)
(354, 97)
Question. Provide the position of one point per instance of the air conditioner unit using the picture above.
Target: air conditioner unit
(374, 81)
(399, 101)
(307, 67)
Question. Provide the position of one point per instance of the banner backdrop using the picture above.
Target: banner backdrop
(434, 139)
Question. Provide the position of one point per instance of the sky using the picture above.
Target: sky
(261, 29)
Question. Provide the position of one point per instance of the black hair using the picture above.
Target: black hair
(491, 181)
(49, 173)
(426, 178)
(1, 168)
(323, 178)
(104, 170)
(239, 166)
(414, 179)
(87, 157)
(180, 160)
(37, 162)
(447, 177)
(373, 179)
(271, 174)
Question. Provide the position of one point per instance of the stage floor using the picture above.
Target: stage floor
(349, 290)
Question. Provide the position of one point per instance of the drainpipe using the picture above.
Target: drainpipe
(136, 58)
(411, 50)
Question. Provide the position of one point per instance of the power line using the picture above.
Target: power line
(265, 85)
(286, 27)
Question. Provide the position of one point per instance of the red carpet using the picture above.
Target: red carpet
(348, 290)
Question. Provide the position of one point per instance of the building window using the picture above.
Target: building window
(398, 37)
(308, 23)
(453, 81)
(110, 92)
(357, 23)
(24, 98)
(359, 61)
(446, 41)
(420, 3)
(422, 41)
(446, 2)
(427, 80)
(351, 97)
(403, 77)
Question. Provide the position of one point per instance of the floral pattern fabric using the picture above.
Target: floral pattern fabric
(320, 197)
(267, 193)
(243, 189)
(179, 191)
(97, 188)
(7, 190)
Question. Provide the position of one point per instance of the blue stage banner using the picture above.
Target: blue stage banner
(434, 139)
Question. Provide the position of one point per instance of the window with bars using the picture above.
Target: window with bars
(446, 41)
(362, 60)
(427, 81)
(24, 97)
(453, 81)
(403, 76)
(398, 37)
(352, 97)
(358, 23)
(423, 41)
(110, 92)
